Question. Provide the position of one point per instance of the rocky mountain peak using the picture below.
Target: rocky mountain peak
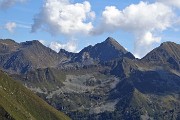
(166, 53)
(165, 50)
(107, 50)
(110, 40)
(168, 43)
(7, 45)
(30, 43)
(106, 73)
(25, 56)
(7, 41)
(113, 43)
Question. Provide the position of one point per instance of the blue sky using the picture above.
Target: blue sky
(139, 26)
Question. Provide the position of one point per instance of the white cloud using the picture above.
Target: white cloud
(175, 3)
(70, 46)
(63, 17)
(143, 20)
(5, 4)
(23, 26)
(144, 43)
(10, 26)
(42, 41)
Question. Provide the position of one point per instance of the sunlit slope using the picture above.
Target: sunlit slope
(19, 103)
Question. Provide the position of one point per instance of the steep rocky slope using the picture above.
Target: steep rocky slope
(106, 82)
(108, 50)
(167, 54)
(21, 57)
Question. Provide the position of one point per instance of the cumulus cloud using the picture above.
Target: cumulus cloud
(10, 26)
(63, 17)
(143, 20)
(70, 46)
(5, 4)
(174, 3)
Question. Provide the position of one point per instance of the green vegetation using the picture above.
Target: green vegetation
(19, 103)
(101, 82)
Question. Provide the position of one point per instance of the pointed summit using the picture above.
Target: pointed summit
(110, 49)
(166, 53)
(111, 41)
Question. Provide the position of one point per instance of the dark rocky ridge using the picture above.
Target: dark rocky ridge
(63, 52)
(167, 54)
(106, 82)
(21, 57)
(108, 50)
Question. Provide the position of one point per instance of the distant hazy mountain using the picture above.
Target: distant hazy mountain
(19, 103)
(103, 81)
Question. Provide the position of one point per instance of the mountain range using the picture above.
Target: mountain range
(102, 82)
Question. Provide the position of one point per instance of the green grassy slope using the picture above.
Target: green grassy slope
(19, 103)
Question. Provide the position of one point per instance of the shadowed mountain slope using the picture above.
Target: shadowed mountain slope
(106, 82)
(108, 50)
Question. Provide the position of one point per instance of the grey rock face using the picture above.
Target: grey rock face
(100, 82)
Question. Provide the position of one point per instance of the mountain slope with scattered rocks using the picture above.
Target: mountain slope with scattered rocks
(105, 81)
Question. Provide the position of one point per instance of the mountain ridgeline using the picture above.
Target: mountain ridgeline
(21, 57)
(102, 82)
(19, 103)
(168, 54)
